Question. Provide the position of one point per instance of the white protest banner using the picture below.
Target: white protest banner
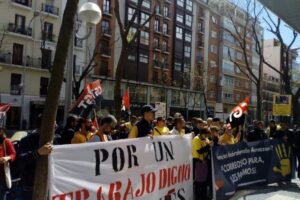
(143, 168)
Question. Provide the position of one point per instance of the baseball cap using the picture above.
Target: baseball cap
(148, 108)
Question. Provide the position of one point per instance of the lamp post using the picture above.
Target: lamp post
(91, 14)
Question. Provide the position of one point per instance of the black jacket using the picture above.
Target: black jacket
(256, 135)
(144, 128)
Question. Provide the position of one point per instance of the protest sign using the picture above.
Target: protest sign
(245, 164)
(282, 105)
(161, 109)
(144, 168)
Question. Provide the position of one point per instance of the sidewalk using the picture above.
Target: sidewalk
(276, 191)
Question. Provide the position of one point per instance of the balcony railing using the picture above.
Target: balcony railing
(48, 36)
(19, 29)
(106, 30)
(27, 3)
(26, 61)
(15, 89)
(50, 9)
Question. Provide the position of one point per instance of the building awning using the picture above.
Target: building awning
(287, 10)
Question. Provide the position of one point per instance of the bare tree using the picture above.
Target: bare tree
(242, 32)
(128, 37)
(52, 100)
(285, 62)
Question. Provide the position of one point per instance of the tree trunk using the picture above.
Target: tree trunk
(49, 114)
(259, 102)
(296, 111)
(118, 81)
(76, 89)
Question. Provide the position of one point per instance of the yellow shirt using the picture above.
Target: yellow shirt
(81, 138)
(128, 125)
(161, 131)
(133, 132)
(226, 139)
(198, 144)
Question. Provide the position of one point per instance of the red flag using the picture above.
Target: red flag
(237, 115)
(126, 100)
(3, 109)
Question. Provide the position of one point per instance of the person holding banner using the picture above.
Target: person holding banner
(200, 152)
(7, 154)
(228, 137)
(160, 128)
(179, 125)
(144, 127)
(84, 134)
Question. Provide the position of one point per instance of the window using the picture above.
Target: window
(177, 64)
(179, 18)
(106, 6)
(44, 86)
(214, 34)
(237, 83)
(156, 43)
(146, 4)
(105, 27)
(212, 94)
(164, 61)
(166, 11)
(180, 3)
(157, 9)
(156, 25)
(189, 5)
(19, 21)
(228, 96)
(188, 37)
(200, 26)
(17, 58)
(228, 37)
(131, 12)
(237, 70)
(165, 29)
(155, 59)
(179, 33)
(144, 58)
(15, 83)
(104, 68)
(239, 56)
(229, 82)
(46, 59)
(214, 19)
(213, 64)
(228, 67)
(187, 51)
(237, 97)
(47, 33)
(144, 38)
(212, 78)
(188, 20)
(144, 18)
(228, 53)
(213, 49)
(165, 45)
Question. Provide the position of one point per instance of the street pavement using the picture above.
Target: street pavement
(276, 191)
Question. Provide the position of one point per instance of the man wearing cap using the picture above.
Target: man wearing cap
(144, 127)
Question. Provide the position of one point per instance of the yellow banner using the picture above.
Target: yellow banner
(282, 105)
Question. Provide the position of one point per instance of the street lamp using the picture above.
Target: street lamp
(91, 14)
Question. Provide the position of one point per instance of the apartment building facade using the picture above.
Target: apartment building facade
(159, 66)
(29, 33)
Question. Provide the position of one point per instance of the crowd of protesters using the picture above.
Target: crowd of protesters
(22, 154)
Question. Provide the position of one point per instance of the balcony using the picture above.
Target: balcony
(164, 65)
(48, 36)
(105, 51)
(26, 61)
(106, 31)
(200, 59)
(26, 3)
(200, 44)
(23, 30)
(78, 42)
(50, 9)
